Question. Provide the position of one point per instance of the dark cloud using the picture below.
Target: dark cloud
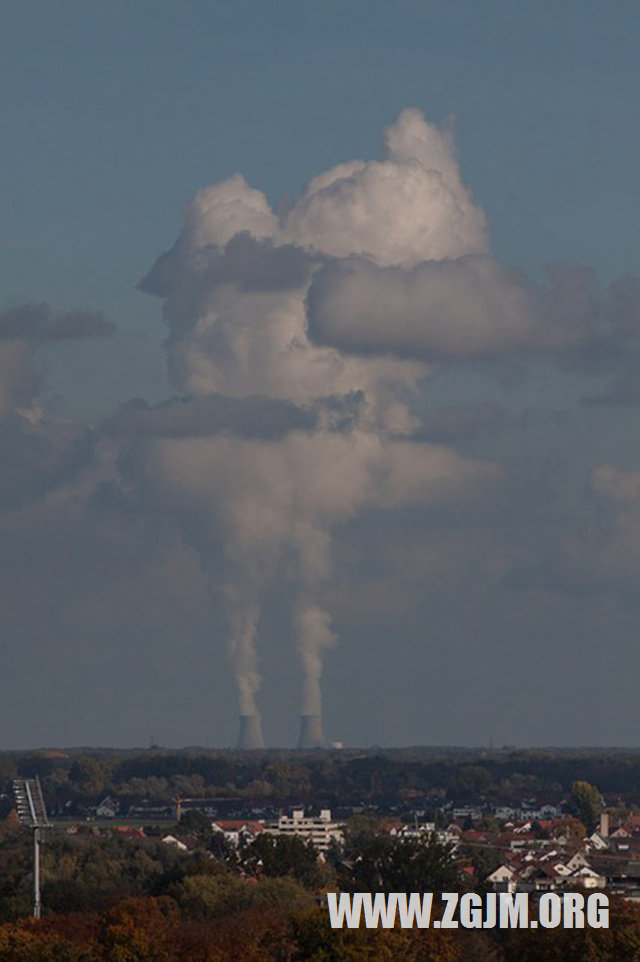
(38, 457)
(23, 330)
(19, 379)
(36, 322)
(77, 324)
(250, 263)
(249, 417)
(24, 322)
(463, 309)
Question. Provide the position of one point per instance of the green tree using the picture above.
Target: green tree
(203, 898)
(197, 824)
(384, 864)
(87, 776)
(282, 855)
(586, 804)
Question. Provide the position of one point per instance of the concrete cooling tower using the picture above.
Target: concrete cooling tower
(311, 734)
(250, 732)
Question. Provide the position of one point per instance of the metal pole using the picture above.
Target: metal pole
(37, 905)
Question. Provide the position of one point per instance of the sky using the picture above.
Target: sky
(319, 372)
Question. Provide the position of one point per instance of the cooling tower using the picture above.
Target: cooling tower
(250, 732)
(311, 734)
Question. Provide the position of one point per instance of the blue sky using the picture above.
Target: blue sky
(113, 116)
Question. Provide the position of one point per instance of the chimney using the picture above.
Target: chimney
(604, 824)
(311, 734)
(250, 732)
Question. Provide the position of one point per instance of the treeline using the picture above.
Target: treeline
(320, 778)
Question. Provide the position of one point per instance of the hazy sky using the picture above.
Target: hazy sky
(319, 371)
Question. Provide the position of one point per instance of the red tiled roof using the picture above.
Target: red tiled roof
(234, 825)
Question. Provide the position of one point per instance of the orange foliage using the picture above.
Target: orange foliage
(151, 930)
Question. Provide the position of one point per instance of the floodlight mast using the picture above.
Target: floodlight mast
(32, 812)
(37, 899)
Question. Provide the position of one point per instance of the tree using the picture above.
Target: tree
(140, 930)
(197, 824)
(87, 776)
(384, 864)
(206, 897)
(22, 945)
(586, 804)
(282, 855)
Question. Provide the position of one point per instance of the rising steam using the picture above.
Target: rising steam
(239, 296)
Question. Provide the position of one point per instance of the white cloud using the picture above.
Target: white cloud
(408, 208)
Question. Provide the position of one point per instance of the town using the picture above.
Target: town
(251, 842)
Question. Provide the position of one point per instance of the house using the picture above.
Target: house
(598, 842)
(502, 879)
(578, 861)
(414, 831)
(128, 831)
(108, 808)
(588, 878)
(237, 830)
(539, 878)
(185, 843)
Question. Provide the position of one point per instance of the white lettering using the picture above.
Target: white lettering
(382, 911)
(550, 910)
(514, 910)
(347, 909)
(598, 910)
(471, 911)
(491, 916)
(448, 922)
(418, 912)
(572, 910)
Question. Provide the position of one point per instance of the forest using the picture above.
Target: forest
(381, 778)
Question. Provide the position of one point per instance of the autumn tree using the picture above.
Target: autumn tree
(586, 804)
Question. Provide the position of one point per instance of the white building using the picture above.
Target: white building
(319, 829)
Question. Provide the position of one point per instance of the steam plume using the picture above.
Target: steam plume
(235, 289)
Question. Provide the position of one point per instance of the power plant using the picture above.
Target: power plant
(250, 732)
(311, 734)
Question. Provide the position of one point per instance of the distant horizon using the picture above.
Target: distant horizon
(315, 751)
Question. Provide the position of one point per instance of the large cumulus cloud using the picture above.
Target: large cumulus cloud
(235, 288)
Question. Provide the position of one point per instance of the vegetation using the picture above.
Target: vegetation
(75, 780)
(130, 898)
(586, 804)
(159, 929)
